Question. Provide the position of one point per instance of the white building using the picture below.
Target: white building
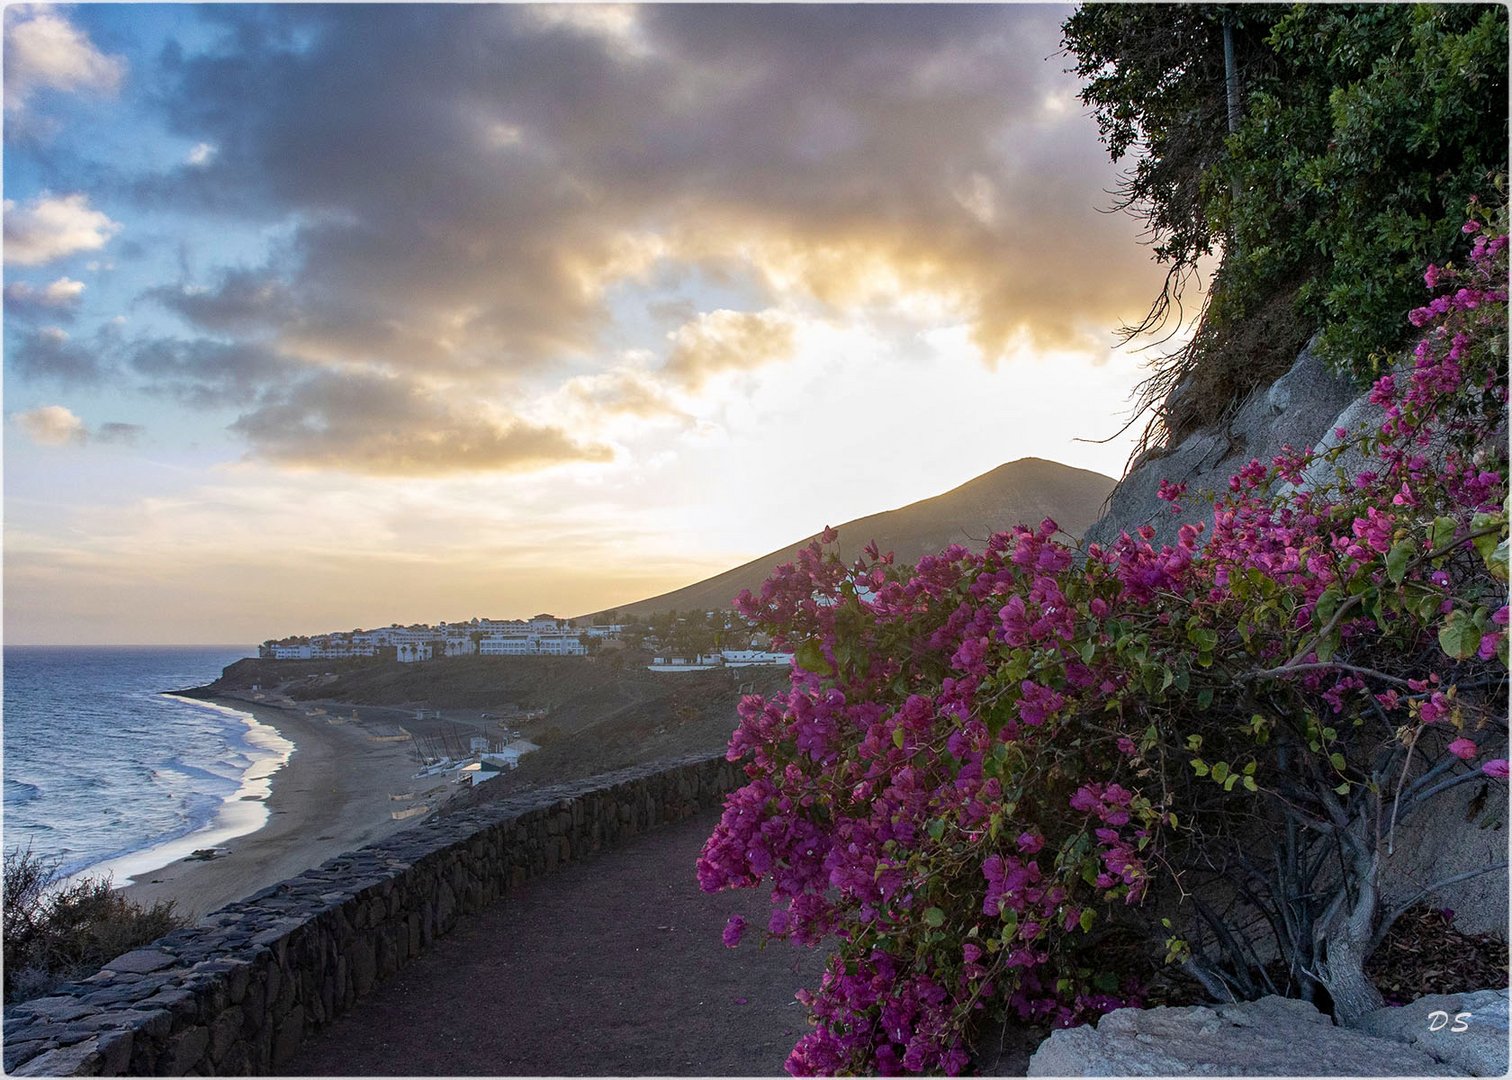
(531, 645)
(754, 658)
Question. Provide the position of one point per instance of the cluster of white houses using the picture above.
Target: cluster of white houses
(540, 636)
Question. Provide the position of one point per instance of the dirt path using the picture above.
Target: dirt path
(611, 966)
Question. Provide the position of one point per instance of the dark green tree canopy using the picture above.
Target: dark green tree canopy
(1364, 130)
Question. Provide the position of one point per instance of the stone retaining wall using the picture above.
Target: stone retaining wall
(237, 993)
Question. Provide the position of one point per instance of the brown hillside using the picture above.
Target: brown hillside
(1024, 491)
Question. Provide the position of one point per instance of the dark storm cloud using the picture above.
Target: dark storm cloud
(466, 182)
(393, 426)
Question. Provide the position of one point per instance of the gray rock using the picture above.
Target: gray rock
(1300, 409)
(81, 1059)
(141, 961)
(1467, 1032)
(1271, 1037)
(57, 1010)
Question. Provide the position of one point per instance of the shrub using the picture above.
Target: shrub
(989, 766)
(56, 931)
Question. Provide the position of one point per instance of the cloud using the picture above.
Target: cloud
(845, 155)
(52, 425)
(114, 431)
(624, 391)
(44, 50)
(244, 300)
(206, 373)
(502, 200)
(59, 297)
(390, 426)
(50, 353)
(53, 226)
(727, 340)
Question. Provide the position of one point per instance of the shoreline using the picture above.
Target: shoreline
(336, 790)
(243, 812)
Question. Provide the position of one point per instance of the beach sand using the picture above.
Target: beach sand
(339, 791)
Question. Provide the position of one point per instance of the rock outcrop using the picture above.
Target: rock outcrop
(1274, 1036)
(1300, 410)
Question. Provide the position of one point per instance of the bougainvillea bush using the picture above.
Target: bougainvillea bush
(987, 767)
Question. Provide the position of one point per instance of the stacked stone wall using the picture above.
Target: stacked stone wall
(238, 993)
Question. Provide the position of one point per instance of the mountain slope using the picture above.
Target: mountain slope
(1024, 491)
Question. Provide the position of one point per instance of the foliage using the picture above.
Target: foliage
(55, 931)
(982, 764)
(1364, 128)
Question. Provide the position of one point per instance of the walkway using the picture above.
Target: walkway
(611, 966)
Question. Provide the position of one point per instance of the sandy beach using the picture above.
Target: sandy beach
(340, 790)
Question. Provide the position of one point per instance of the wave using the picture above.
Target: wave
(19, 792)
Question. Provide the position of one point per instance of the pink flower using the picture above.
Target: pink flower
(733, 929)
(1496, 767)
(1464, 749)
(1470, 227)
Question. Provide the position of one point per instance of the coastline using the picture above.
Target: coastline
(338, 790)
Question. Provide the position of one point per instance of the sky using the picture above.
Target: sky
(319, 317)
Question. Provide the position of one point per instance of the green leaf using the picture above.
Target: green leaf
(1228, 785)
(898, 737)
(933, 916)
(1336, 759)
(1220, 771)
(936, 829)
(1458, 637)
(810, 657)
(1443, 532)
(1205, 698)
(1497, 563)
(1205, 640)
(1249, 783)
(1342, 789)
(1199, 766)
(1396, 560)
(1486, 544)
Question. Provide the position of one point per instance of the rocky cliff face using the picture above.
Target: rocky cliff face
(1301, 409)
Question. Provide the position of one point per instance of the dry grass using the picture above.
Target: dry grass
(55, 932)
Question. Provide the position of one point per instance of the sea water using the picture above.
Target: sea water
(105, 773)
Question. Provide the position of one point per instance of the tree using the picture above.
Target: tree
(1364, 128)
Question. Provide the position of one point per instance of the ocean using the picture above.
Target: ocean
(104, 773)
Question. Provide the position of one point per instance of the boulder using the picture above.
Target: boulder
(1467, 1032)
(1274, 1036)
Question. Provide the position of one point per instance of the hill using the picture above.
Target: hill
(1024, 491)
